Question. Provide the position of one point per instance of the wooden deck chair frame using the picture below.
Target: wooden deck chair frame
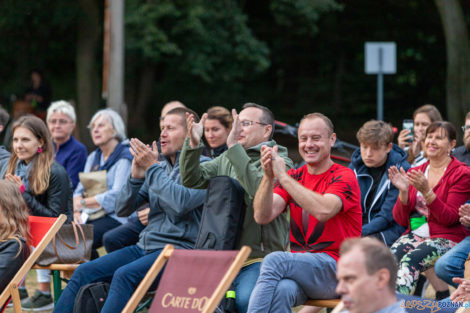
(161, 261)
(12, 287)
(56, 270)
(326, 303)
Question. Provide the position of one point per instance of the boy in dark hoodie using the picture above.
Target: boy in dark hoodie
(370, 163)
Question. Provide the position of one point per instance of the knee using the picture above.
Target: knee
(441, 267)
(110, 242)
(272, 260)
(286, 290)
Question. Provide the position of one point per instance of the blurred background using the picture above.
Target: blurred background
(294, 56)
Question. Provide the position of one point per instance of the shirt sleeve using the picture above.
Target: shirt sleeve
(342, 184)
(278, 189)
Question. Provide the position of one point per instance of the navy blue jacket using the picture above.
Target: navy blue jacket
(380, 213)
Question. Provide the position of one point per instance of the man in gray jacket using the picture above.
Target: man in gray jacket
(174, 217)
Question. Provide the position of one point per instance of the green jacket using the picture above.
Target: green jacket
(244, 166)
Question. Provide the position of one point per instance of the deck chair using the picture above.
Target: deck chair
(43, 229)
(325, 303)
(193, 280)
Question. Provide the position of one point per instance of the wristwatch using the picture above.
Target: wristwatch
(82, 202)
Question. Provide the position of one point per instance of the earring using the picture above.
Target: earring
(39, 150)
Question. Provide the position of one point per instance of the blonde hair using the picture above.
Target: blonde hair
(375, 132)
(14, 214)
(40, 172)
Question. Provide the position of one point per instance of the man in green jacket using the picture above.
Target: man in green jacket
(251, 129)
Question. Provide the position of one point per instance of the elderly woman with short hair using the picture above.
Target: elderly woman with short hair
(106, 171)
(69, 152)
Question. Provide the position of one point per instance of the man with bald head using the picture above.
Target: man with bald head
(324, 203)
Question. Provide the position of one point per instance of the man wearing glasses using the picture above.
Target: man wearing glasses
(251, 129)
(462, 153)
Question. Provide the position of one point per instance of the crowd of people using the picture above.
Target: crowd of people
(303, 225)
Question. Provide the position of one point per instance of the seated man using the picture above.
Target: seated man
(367, 272)
(250, 130)
(370, 163)
(324, 202)
(174, 217)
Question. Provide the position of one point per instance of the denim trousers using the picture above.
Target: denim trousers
(451, 264)
(100, 227)
(124, 269)
(243, 285)
(124, 235)
(288, 279)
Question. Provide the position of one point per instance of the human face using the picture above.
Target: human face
(374, 155)
(315, 142)
(359, 291)
(173, 133)
(60, 126)
(466, 135)
(437, 144)
(25, 144)
(215, 133)
(255, 133)
(102, 131)
(421, 123)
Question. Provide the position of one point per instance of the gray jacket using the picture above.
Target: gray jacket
(175, 210)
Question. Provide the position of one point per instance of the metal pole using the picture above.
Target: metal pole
(380, 87)
(116, 61)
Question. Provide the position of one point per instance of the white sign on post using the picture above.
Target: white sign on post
(380, 57)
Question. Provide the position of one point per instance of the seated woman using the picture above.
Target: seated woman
(14, 232)
(46, 184)
(217, 125)
(106, 171)
(428, 202)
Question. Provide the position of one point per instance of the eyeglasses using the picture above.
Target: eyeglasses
(249, 123)
(465, 128)
(59, 121)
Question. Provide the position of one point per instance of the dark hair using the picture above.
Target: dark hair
(375, 132)
(4, 117)
(266, 118)
(376, 255)
(220, 114)
(182, 113)
(430, 110)
(451, 132)
(321, 116)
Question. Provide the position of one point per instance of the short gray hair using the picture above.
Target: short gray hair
(61, 106)
(116, 121)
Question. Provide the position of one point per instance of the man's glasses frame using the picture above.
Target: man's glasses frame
(465, 128)
(248, 123)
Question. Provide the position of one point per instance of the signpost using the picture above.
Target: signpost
(380, 59)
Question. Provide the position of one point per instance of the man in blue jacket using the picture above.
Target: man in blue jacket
(175, 213)
(378, 196)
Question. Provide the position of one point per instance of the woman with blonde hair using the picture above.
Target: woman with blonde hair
(14, 232)
(45, 187)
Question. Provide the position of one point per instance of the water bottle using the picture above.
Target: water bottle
(230, 302)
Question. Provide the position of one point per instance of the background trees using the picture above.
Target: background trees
(295, 56)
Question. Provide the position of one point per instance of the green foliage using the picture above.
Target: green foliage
(208, 39)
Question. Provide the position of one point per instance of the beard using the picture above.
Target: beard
(466, 141)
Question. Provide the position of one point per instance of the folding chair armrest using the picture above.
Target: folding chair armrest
(326, 303)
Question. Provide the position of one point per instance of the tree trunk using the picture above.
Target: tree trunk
(143, 97)
(88, 91)
(458, 59)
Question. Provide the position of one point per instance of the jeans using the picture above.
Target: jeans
(125, 235)
(288, 279)
(101, 226)
(452, 263)
(244, 284)
(124, 268)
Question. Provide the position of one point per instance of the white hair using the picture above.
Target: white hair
(61, 106)
(116, 121)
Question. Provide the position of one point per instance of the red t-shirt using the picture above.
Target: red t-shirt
(327, 236)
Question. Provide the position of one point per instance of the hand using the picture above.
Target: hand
(278, 164)
(143, 216)
(419, 181)
(266, 162)
(416, 144)
(462, 293)
(137, 171)
(77, 206)
(14, 179)
(195, 130)
(143, 155)
(403, 138)
(465, 221)
(464, 210)
(399, 178)
(77, 217)
(234, 134)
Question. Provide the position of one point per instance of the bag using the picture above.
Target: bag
(94, 183)
(90, 298)
(71, 245)
(222, 215)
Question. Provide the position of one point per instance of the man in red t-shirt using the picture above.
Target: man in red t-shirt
(324, 202)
